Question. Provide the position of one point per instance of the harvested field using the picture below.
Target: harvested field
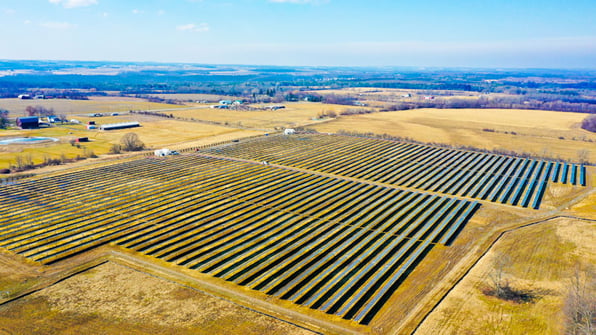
(112, 298)
(546, 133)
(16, 107)
(294, 115)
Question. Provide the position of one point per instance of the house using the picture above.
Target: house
(289, 131)
(429, 97)
(225, 102)
(407, 95)
(24, 96)
(28, 122)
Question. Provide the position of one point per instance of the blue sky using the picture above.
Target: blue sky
(458, 33)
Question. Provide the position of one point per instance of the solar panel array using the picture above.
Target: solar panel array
(331, 244)
(497, 178)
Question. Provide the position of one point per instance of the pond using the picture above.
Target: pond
(27, 140)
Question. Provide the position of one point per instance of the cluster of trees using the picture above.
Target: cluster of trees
(39, 111)
(4, 119)
(589, 123)
(128, 142)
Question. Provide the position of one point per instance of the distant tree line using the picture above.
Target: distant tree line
(517, 102)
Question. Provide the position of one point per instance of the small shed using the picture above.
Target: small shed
(28, 122)
(289, 131)
(162, 152)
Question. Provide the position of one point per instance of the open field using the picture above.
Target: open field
(154, 132)
(294, 115)
(198, 97)
(543, 259)
(106, 105)
(551, 134)
(109, 299)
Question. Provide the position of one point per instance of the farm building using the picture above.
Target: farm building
(28, 122)
(24, 96)
(289, 131)
(123, 125)
(53, 119)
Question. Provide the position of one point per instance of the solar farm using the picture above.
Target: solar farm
(331, 223)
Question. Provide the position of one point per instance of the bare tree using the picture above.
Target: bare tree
(131, 142)
(498, 283)
(583, 156)
(580, 305)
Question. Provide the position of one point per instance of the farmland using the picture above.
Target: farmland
(334, 233)
(543, 133)
(332, 227)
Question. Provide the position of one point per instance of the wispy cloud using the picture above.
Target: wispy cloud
(199, 28)
(137, 11)
(9, 11)
(74, 3)
(57, 25)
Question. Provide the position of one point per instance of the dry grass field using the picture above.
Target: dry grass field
(108, 299)
(294, 115)
(108, 105)
(543, 259)
(197, 97)
(545, 133)
(154, 132)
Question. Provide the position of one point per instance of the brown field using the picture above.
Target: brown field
(544, 133)
(109, 299)
(294, 115)
(108, 105)
(543, 260)
(154, 132)
(197, 97)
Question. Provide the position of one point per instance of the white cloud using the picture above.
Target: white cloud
(57, 25)
(74, 3)
(316, 2)
(27, 22)
(199, 28)
(137, 11)
(9, 11)
(161, 12)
